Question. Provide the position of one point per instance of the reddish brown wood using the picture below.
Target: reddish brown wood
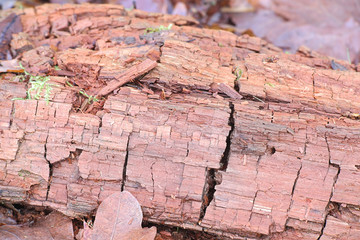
(127, 76)
(229, 91)
(282, 162)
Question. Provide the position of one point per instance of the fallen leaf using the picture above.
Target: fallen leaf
(8, 26)
(10, 66)
(159, 6)
(7, 216)
(328, 27)
(59, 226)
(7, 4)
(54, 226)
(180, 9)
(119, 217)
(8, 232)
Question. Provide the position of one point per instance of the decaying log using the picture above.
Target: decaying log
(281, 162)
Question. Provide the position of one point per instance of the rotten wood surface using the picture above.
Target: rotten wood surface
(282, 162)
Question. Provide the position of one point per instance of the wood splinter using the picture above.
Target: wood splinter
(127, 76)
(229, 91)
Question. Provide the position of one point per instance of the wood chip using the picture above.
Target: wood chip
(229, 91)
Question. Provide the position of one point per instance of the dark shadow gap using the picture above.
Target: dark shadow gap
(213, 176)
(125, 164)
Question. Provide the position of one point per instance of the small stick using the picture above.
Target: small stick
(127, 76)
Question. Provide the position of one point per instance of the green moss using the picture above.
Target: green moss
(40, 88)
(158, 29)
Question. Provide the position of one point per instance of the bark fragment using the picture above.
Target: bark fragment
(129, 75)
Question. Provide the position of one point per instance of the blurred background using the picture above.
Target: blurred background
(330, 27)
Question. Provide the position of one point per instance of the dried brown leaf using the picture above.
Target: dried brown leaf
(59, 226)
(54, 226)
(10, 66)
(119, 217)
